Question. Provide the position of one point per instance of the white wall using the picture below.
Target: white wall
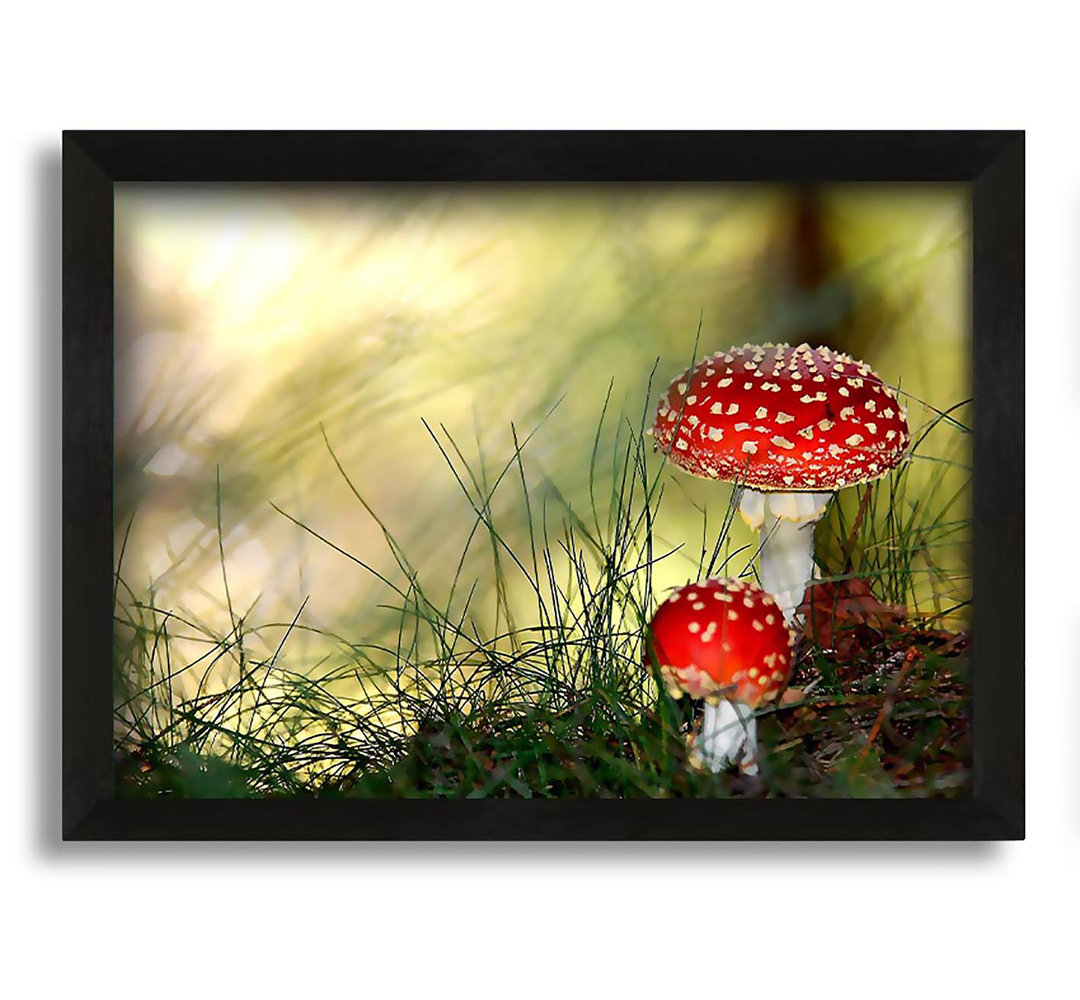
(836, 921)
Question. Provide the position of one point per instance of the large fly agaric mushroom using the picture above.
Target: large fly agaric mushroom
(792, 425)
(724, 641)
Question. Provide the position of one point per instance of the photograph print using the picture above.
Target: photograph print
(543, 491)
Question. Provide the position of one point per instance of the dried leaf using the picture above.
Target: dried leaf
(844, 615)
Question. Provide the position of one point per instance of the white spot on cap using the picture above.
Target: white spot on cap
(716, 433)
(749, 447)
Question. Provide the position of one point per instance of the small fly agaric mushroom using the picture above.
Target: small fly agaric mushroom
(724, 641)
(792, 425)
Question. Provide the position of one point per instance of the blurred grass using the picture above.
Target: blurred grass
(312, 599)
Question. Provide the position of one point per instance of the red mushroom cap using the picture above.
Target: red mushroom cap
(720, 639)
(782, 418)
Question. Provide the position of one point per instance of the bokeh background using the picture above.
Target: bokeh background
(251, 321)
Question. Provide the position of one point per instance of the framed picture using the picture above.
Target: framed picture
(537, 485)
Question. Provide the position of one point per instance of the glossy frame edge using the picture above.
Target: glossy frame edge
(94, 161)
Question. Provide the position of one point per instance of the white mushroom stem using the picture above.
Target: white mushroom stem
(729, 733)
(786, 522)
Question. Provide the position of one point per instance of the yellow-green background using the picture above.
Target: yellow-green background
(248, 317)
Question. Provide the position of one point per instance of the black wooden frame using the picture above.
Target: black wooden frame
(993, 162)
